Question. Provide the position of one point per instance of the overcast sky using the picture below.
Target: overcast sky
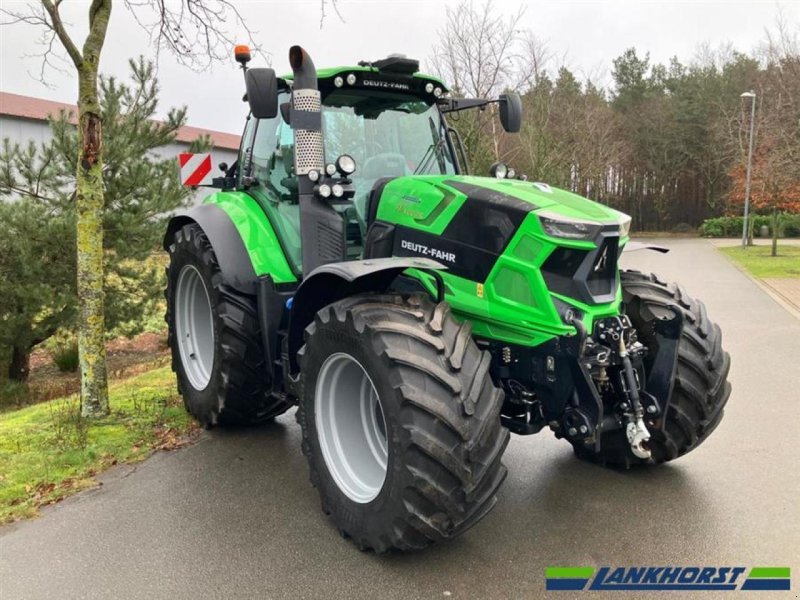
(586, 34)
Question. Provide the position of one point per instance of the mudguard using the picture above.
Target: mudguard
(234, 261)
(333, 281)
(242, 237)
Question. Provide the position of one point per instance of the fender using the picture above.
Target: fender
(232, 256)
(333, 281)
(242, 237)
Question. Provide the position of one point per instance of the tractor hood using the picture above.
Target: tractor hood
(539, 196)
(425, 198)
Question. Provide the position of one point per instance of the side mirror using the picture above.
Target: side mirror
(262, 92)
(511, 112)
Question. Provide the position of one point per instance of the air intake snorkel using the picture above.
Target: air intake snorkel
(321, 227)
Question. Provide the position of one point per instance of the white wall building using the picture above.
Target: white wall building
(24, 118)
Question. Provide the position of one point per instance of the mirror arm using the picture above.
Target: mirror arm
(458, 104)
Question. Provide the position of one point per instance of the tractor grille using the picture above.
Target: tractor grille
(586, 275)
(602, 277)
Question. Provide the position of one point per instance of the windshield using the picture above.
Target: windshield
(389, 135)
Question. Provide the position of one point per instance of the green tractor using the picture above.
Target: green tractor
(416, 314)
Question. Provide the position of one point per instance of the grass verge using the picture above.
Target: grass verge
(758, 262)
(48, 451)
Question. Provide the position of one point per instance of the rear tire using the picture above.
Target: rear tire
(440, 413)
(215, 338)
(701, 386)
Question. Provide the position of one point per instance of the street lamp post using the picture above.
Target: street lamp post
(752, 96)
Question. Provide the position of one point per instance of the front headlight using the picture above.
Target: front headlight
(625, 225)
(572, 229)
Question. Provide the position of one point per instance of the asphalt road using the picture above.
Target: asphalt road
(235, 517)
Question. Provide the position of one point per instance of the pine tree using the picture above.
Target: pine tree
(38, 213)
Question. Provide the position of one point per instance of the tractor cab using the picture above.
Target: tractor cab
(384, 115)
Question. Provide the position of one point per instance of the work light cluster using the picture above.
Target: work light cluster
(328, 186)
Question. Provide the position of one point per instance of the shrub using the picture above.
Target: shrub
(69, 430)
(13, 394)
(732, 226)
(66, 357)
(791, 225)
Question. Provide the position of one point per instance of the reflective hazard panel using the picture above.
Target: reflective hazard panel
(195, 168)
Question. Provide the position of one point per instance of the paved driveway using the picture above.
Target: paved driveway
(235, 517)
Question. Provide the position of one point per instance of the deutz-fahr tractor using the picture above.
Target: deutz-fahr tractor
(416, 314)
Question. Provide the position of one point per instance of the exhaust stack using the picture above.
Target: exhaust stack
(322, 228)
(306, 116)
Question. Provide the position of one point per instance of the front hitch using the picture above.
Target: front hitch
(635, 430)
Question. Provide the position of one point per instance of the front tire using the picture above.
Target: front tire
(701, 388)
(215, 338)
(400, 420)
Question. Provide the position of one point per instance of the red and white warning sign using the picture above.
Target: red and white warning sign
(195, 168)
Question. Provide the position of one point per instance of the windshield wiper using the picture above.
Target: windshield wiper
(433, 151)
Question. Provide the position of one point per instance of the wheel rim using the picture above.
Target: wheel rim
(351, 427)
(194, 327)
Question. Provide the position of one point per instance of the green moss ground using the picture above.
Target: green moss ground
(47, 451)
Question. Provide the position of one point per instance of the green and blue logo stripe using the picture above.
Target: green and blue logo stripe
(568, 578)
(639, 578)
(768, 578)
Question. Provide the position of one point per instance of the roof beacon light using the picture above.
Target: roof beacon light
(242, 54)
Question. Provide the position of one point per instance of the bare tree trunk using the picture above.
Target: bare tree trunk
(90, 207)
(774, 232)
(89, 203)
(20, 366)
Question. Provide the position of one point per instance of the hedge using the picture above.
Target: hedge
(789, 223)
